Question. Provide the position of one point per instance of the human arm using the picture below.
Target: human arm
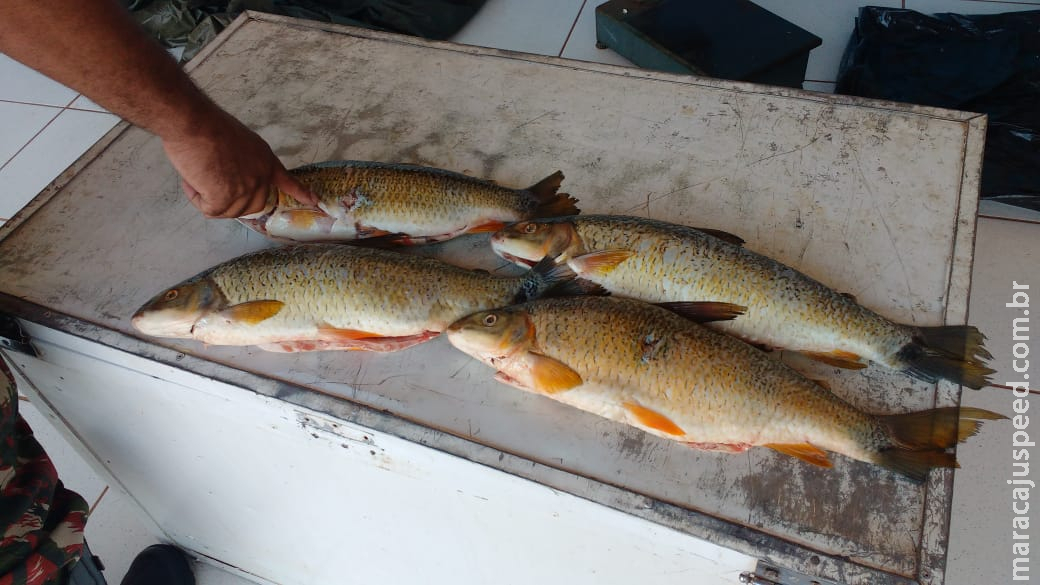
(94, 47)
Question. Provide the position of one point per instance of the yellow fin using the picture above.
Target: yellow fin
(599, 262)
(252, 312)
(838, 359)
(550, 375)
(803, 451)
(334, 334)
(653, 419)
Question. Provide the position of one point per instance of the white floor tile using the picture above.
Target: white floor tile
(20, 122)
(1005, 252)
(831, 20)
(980, 531)
(118, 530)
(84, 103)
(971, 6)
(820, 86)
(74, 472)
(50, 153)
(582, 43)
(993, 209)
(529, 26)
(21, 84)
(206, 574)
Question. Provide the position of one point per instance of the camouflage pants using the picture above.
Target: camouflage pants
(41, 522)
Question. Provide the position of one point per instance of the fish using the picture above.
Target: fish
(383, 204)
(317, 297)
(647, 367)
(657, 261)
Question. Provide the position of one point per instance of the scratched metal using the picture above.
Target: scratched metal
(873, 198)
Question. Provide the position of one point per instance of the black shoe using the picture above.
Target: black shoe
(160, 564)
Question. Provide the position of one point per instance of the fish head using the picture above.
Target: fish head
(174, 312)
(527, 242)
(493, 336)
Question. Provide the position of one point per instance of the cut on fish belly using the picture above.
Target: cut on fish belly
(383, 204)
(657, 262)
(699, 387)
(320, 297)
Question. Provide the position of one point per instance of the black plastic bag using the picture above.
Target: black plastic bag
(193, 23)
(985, 63)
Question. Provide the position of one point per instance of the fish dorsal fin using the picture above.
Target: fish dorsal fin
(545, 190)
(803, 451)
(704, 311)
(551, 375)
(838, 359)
(724, 236)
(252, 312)
(652, 419)
(599, 262)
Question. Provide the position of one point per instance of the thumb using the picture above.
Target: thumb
(287, 184)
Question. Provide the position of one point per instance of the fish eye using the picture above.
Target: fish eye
(490, 319)
(170, 295)
(530, 228)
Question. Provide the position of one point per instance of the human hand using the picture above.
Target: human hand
(227, 170)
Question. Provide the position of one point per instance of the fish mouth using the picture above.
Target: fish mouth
(155, 325)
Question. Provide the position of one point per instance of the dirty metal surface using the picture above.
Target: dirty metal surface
(872, 198)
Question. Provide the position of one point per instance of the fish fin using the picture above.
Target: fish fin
(724, 236)
(938, 428)
(804, 451)
(823, 384)
(838, 359)
(560, 280)
(328, 333)
(653, 419)
(386, 240)
(600, 262)
(491, 226)
(252, 312)
(915, 465)
(562, 204)
(366, 232)
(955, 353)
(704, 311)
(551, 375)
(849, 296)
(545, 190)
(721, 447)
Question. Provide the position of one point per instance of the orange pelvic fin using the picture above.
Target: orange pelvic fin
(803, 451)
(551, 375)
(252, 312)
(705, 311)
(724, 236)
(491, 226)
(600, 262)
(653, 419)
(334, 334)
(838, 359)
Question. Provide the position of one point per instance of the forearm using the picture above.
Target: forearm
(94, 47)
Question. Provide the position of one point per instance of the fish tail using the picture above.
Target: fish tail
(919, 439)
(548, 276)
(550, 202)
(955, 353)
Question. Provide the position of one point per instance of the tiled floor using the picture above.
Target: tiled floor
(45, 126)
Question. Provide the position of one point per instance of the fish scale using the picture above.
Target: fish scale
(657, 261)
(328, 294)
(647, 367)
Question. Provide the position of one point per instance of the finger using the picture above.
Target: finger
(287, 184)
(196, 198)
